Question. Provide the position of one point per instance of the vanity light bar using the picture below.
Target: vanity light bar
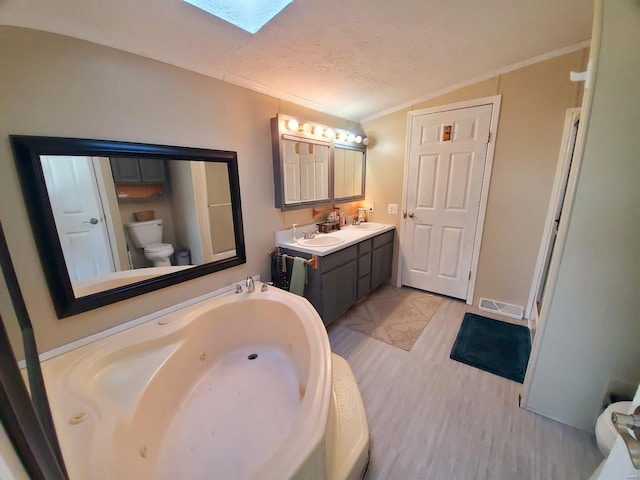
(319, 131)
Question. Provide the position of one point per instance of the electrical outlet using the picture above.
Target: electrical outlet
(392, 208)
(372, 208)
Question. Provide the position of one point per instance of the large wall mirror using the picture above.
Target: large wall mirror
(113, 220)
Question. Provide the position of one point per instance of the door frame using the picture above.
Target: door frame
(563, 171)
(113, 221)
(495, 101)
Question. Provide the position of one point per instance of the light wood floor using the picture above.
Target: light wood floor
(434, 418)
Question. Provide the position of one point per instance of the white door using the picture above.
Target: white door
(447, 155)
(78, 213)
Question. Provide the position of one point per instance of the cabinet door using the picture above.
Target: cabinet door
(338, 291)
(381, 265)
(125, 170)
(152, 170)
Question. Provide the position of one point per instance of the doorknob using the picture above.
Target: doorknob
(411, 215)
(92, 221)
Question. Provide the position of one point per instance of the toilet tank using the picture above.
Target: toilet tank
(145, 233)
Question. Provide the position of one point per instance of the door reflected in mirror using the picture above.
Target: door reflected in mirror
(349, 168)
(107, 215)
(305, 171)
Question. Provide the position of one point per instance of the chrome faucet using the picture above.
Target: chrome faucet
(250, 285)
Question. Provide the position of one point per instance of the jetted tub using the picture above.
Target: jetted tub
(237, 386)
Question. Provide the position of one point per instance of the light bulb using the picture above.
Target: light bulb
(351, 137)
(306, 128)
(359, 139)
(292, 124)
(317, 130)
(365, 141)
(329, 133)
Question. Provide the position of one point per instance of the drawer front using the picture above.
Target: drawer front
(364, 265)
(383, 239)
(339, 258)
(366, 246)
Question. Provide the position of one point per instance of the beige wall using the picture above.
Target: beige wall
(58, 86)
(534, 101)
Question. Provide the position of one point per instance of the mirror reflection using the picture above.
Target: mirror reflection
(117, 215)
(349, 170)
(305, 171)
(113, 220)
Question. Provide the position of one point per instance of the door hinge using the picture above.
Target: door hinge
(488, 136)
(469, 274)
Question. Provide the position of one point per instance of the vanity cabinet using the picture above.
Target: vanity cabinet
(347, 276)
(138, 170)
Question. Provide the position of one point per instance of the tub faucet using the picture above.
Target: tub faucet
(250, 285)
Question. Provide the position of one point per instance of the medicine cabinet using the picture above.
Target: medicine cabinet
(348, 173)
(314, 165)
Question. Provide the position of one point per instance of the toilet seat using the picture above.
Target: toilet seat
(605, 431)
(158, 248)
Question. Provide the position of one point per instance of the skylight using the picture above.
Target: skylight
(250, 15)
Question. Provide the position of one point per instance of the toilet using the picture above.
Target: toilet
(605, 431)
(148, 235)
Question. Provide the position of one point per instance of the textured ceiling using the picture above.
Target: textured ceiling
(350, 58)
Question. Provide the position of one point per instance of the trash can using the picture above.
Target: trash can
(183, 256)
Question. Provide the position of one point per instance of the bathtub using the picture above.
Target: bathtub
(239, 386)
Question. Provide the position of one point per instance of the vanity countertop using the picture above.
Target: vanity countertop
(350, 235)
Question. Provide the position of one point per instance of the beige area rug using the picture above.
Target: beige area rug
(396, 316)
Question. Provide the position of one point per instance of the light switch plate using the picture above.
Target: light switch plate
(392, 208)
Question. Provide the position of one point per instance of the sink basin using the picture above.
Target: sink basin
(369, 226)
(320, 241)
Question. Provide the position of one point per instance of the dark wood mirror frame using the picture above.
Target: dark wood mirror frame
(27, 151)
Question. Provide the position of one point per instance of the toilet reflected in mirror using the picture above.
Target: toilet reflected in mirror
(148, 236)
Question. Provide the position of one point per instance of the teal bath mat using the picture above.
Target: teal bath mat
(496, 347)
